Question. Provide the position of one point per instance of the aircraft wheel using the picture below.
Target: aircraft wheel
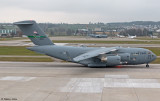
(147, 65)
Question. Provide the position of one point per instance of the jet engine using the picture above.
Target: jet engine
(111, 60)
(124, 56)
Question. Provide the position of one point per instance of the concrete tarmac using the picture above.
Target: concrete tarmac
(27, 81)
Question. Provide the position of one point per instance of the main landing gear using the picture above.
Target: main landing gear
(147, 65)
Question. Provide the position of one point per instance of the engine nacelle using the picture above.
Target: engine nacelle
(124, 56)
(112, 60)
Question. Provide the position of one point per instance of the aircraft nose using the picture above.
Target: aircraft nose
(154, 56)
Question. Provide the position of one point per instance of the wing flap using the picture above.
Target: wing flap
(93, 53)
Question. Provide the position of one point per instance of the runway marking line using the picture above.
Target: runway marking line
(16, 78)
(96, 85)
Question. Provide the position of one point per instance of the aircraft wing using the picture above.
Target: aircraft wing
(94, 53)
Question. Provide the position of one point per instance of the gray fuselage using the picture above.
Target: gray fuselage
(128, 56)
(92, 57)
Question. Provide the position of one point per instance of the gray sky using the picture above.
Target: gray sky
(79, 11)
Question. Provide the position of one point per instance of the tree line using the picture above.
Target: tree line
(137, 32)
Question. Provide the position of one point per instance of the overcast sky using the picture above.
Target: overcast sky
(79, 11)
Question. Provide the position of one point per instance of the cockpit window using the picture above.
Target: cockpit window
(139, 53)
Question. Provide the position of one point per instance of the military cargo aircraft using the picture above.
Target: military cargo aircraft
(88, 56)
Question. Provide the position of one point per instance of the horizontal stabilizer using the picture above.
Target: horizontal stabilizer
(29, 22)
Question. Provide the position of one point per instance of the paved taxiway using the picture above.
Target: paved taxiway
(46, 81)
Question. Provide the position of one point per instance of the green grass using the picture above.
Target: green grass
(155, 50)
(147, 38)
(8, 39)
(26, 59)
(16, 50)
(106, 42)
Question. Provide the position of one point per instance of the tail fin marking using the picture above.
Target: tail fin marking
(34, 33)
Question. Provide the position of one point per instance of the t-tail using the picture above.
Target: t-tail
(34, 32)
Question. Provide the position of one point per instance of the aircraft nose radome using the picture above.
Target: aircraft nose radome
(155, 56)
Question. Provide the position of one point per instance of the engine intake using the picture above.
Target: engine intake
(111, 60)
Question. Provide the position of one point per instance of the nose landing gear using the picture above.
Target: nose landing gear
(147, 65)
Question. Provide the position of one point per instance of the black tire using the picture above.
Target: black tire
(147, 66)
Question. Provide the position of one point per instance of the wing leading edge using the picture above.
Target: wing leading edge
(94, 53)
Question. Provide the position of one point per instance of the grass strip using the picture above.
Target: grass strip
(155, 50)
(26, 59)
(8, 39)
(106, 42)
(16, 50)
(148, 38)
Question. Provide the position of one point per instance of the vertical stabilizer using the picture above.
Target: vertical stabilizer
(33, 31)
